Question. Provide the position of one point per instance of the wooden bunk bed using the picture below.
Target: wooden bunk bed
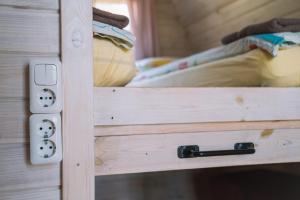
(129, 130)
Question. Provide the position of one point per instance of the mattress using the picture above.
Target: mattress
(252, 69)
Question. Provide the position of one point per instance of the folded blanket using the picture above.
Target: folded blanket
(119, 21)
(271, 43)
(252, 69)
(119, 37)
(276, 25)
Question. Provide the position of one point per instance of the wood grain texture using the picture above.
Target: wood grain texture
(29, 30)
(78, 139)
(206, 32)
(14, 73)
(36, 4)
(130, 106)
(33, 194)
(172, 37)
(145, 153)
(192, 128)
(17, 173)
(14, 114)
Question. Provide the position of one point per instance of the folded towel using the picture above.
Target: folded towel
(275, 25)
(119, 21)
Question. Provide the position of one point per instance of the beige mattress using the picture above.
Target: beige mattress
(253, 69)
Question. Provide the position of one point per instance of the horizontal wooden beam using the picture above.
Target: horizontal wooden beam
(136, 106)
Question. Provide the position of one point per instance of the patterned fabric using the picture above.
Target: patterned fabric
(271, 43)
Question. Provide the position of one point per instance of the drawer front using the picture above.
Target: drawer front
(158, 152)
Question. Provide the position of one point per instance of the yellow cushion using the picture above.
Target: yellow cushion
(282, 70)
(113, 66)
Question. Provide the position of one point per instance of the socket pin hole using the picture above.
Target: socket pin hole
(41, 98)
(41, 148)
(50, 147)
(50, 128)
(50, 98)
(41, 128)
(112, 118)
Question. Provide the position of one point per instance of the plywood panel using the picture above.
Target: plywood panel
(145, 153)
(29, 30)
(33, 194)
(37, 4)
(17, 173)
(121, 106)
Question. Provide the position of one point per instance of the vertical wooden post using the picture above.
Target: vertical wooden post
(78, 140)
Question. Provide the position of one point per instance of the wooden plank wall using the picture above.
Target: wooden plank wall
(29, 29)
(172, 37)
(206, 22)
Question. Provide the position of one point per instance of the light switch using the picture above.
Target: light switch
(45, 74)
(45, 86)
(51, 74)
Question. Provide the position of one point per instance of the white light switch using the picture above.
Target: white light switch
(45, 74)
(45, 86)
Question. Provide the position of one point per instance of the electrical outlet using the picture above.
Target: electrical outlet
(45, 86)
(45, 138)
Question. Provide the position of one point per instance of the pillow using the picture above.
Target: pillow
(113, 66)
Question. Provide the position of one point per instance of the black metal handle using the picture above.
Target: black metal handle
(193, 151)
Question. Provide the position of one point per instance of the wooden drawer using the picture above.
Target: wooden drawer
(158, 152)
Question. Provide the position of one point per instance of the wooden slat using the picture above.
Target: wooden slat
(14, 114)
(17, 173)
(78, 139)
(14, 73)
(128, 106)
(145, 153)
(207, 32)
(29, 30)
(170, 30)
(191, 128)
(36, 4)
(192, 11)
(34, 194)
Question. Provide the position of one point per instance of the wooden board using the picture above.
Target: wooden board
(158, 152)
(129, 106)
(36, 4)
(14, 114)
(19, 26)
(16, 173)
(78, 139)
(192, 128)
(171, 35)
(207, 32)
(14, 73)
(34, 194)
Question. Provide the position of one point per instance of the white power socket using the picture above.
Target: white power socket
(45, 86)
(45, 138)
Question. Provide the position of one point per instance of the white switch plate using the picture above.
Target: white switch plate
(45, 86)
(45, 138)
